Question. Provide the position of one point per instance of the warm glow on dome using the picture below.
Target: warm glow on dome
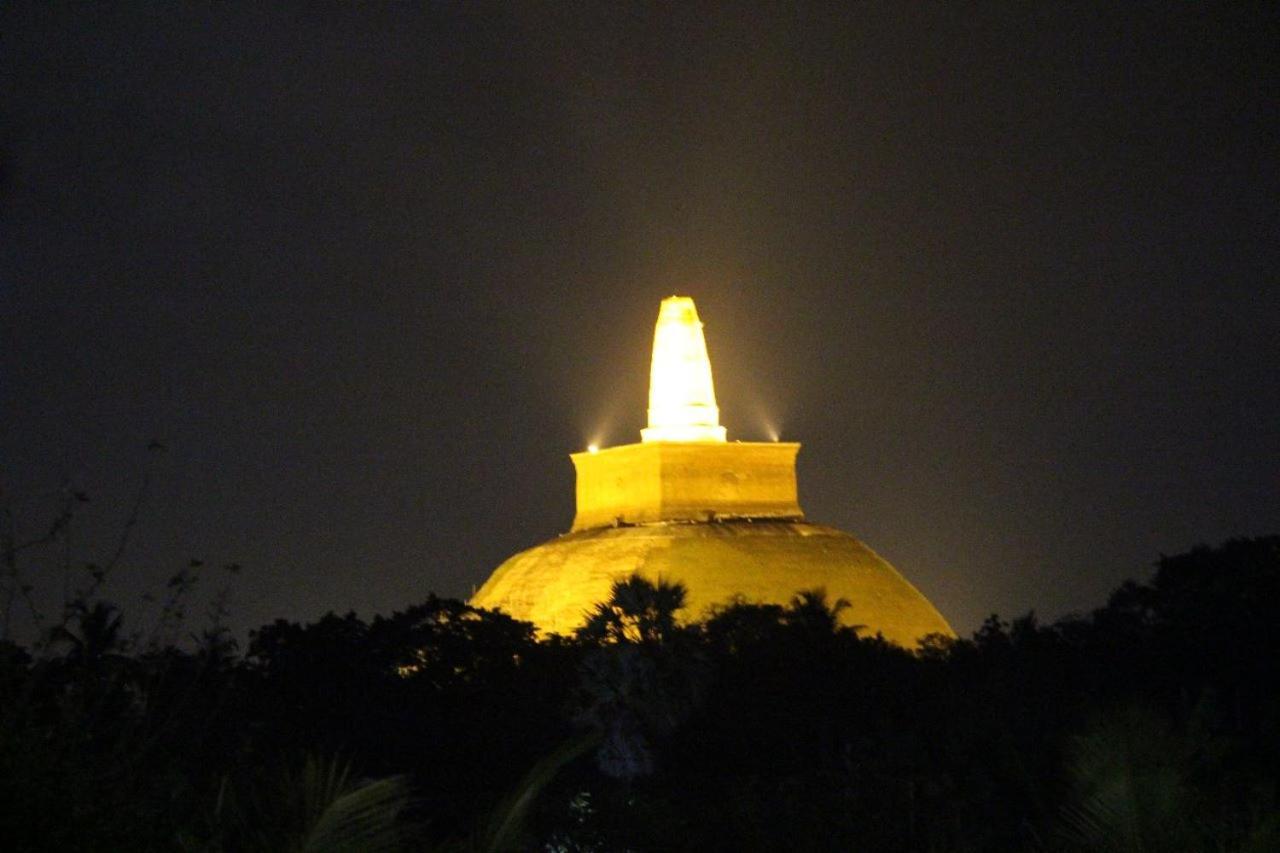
(682, 399)
(721, 517)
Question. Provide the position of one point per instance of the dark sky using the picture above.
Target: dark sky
(371, 272)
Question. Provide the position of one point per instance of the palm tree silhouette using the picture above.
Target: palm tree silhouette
(97, 633)
(638, 611)
(811, 614)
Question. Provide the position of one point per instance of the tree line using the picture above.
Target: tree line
(1152, 723)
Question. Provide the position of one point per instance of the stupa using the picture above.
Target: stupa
(685, 504)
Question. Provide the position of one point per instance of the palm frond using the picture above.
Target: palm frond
(361, 817)
(1129, 794)
(507, 824)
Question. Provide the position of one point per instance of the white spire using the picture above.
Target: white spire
(682, 399)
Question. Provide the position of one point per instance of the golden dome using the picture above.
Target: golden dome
(686, 505)
(554, 584)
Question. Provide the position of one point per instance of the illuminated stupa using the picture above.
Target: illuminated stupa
(687, 505)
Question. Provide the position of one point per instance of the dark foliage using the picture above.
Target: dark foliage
(1150, 724)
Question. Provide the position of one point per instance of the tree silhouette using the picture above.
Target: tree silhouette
(637, 685)
(638, 611)
(810, 612)
(96, 635)
(741, 625)
(766, 726)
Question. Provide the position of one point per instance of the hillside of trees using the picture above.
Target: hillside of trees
(1152, 723)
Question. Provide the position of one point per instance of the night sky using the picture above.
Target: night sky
(370, 273)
